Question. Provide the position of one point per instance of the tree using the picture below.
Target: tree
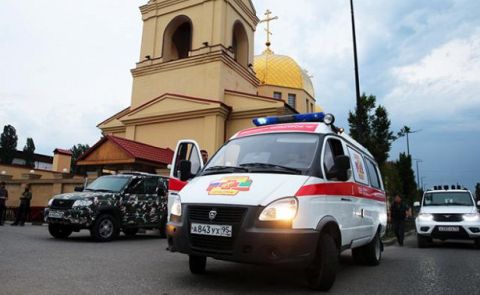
(477, 191)
(370, 126)
(408, 188)
(77, 152)
(8, 144)
(29, 151)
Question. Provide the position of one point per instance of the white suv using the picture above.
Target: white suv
(447, 213)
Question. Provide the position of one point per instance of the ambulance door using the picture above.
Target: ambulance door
(360, 189)
(340, 202)
(187, 153)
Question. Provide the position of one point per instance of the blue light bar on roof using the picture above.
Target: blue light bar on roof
(311, 117)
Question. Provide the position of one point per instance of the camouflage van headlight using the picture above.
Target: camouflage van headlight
(82, 203)
(50, 202)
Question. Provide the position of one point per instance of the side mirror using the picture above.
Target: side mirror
(340, 168)
(184, 170)
(78, 188)
(416, 204)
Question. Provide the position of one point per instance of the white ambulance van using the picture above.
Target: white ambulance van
(294, 190)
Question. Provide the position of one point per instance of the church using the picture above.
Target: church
(197, 77)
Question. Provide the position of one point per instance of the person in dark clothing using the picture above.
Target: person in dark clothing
(3, 201)
(24, 207)
(398, 213)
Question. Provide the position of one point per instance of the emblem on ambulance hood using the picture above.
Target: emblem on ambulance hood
(212, 214)
(230, 185)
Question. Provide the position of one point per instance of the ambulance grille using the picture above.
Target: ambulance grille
(225, 216)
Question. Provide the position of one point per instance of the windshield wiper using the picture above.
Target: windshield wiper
(223, 169)
(102, 190)
(272, 167)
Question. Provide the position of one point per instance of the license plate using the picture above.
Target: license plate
(211, 230)
(55, 214)
(449, 228)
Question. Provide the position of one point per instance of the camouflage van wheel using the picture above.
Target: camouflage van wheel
(105, 228)
(59, 231)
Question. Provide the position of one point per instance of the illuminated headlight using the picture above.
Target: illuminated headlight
(471, 217)
(50, 202)
(281, 210)
(82, 203)
(176, 208)
(425, 217)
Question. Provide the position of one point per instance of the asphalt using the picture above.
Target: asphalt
(31, 262)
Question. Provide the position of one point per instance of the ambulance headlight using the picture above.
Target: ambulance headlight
(425, 217)
(176, 208)
(281, 210)
(471, 217)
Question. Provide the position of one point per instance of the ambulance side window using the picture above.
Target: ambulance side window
(373, 174)
(333, 148)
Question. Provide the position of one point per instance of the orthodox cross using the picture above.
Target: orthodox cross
(267, 20)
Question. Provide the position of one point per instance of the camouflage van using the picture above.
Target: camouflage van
(110, 204)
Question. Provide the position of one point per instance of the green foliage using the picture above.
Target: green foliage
(29, 151)
(408, 188)
(8, 144)
(77, 152)
(370, 126)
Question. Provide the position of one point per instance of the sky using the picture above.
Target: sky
(64, 68)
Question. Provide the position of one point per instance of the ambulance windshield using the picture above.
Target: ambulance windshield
(275, 152)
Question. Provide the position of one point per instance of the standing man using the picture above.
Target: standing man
(24, 207)
(398, 213)
(204, 156)
(3, 200)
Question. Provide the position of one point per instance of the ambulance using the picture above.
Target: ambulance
(295, 190)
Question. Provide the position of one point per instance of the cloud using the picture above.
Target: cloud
(442, 85)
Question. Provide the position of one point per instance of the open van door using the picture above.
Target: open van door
(187, 162)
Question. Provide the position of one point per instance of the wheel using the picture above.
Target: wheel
(105, 228)
(130, 232)
(370, 254)
(197, 264)
(422, 241)
(321, 274)
(163, 227)
(59, 231)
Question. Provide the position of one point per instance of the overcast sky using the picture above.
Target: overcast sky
(64, 67)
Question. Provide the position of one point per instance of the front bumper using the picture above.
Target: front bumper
(448, 230)
(82, 217)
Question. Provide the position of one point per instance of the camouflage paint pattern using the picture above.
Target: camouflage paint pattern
(135, 210)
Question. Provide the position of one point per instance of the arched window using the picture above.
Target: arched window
(240, 44)
(177, 39)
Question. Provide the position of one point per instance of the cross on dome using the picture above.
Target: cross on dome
(267, 20)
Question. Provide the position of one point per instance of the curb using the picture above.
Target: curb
(392, 241)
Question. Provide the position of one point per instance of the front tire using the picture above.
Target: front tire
(105, 228)
(370, 254)
(163, 227)
(321, 274)
(197, 264)
(59, 231)
(422, 241)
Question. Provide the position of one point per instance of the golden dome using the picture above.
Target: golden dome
(281, 70)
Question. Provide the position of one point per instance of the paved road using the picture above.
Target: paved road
(31, 262)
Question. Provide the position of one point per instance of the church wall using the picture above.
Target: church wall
(301, 97)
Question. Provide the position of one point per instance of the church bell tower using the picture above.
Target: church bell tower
(195, 48)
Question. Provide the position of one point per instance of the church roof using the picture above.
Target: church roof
(281, 70)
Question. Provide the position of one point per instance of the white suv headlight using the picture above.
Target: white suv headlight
(280, 210)
(82, 203)
(176, 208)
(425, 217)
(471, 217)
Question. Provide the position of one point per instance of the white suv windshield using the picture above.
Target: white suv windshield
(277, 152)
(447, 199)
